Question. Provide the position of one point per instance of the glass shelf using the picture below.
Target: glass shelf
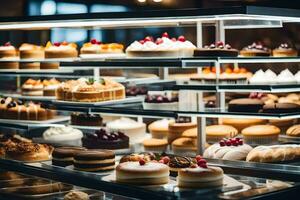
(258, 59)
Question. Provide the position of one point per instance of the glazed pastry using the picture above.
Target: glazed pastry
(104, 139)
(232, 149)
(184, 146)
(261, 134)
(159, 129)
(275, 153)
(29, 152)
(63, 135)
(245, 105)
(64, 156)
(161, 47)
(294, 131)
(133, 129)
(142, 173)
(86, 119)
(284, 50)
(33, 88)
(7, 51)
(215, 133)
(50, 87)
(200, 176)
(155, 145)
(240, 123)
(94, 160)
(255, 49)
(31, 51)
(218, 49)
(178, 127)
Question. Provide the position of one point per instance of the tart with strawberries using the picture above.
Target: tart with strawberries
(218, 49)
(255, 49)
(7, 51)
(161, 47)
(95, 49)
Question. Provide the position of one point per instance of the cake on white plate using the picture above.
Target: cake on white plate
(134, 130)
(63, 135)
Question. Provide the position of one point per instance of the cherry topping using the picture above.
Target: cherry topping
(193, 166)
(228, 143)
(162, 161)
(204, 165)
(181, 38)
(57, 44)
(174, 39)
(166, 159)
(142, 41)
(222, 143)
(147, 39)
(165, 34)
(237, 139)
(235, 143)
(159, 99)
(198, 157)
(142, 162)
(93, 41)
(201, 162)
(220, 43)
(241, 142)
(7, 44)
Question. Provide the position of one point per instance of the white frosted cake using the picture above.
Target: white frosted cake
(63, 135)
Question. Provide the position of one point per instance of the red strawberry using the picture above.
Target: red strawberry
(56, 44)
(181, 38)
(142, 162)
(174, 39)
(198, 157)
(142, 41)
(159, 41)
(93, 41)
(165, 34)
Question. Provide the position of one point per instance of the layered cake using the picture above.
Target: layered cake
(64, 156)
(103, 139)
(176, 128)
(33, 88)
(7, 51)
(161, 47)
(161, 102)
(281, 108)
(284, 50)
(184, 146)
(61, 50)
(275, 153)
(261, 134)
(155, 145)
(94, 160)
(215, 133)
(134, 130)
(200, 176)
(30, 51)
(142, 173)
(83, 90)
(294, 131)
(19, 110)
(86, 119)
(255, 49)
(50, 87)
(240, 123)
(29, 152)
(245, 105)
(218, 49)
(159, 129)
(231, 149)
(95, 47)
(63, 135)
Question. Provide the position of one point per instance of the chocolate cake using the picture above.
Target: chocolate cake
(218, 49)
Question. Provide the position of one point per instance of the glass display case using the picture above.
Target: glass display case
(242, 179)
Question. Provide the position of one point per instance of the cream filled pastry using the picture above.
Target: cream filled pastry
(232, 149)
(142, 173)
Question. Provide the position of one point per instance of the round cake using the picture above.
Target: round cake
(134, 130)
(155, 145)
(283, 124)
(61, 50)
(232, 149)
(94, 160)
(218, 49)
(176, 128)
(32, 87)
(261, 134)
(281, 108)
(215, 133)
(255, 49)
(284, 50)
(64, 156)
(159, 129)
(245, 105)
(63, 135)
(142, 173)
(30, 51)
(202, 176)
(184, 146)
(86, 119)
(294, 131)
(240, 123)
(191, 133)
(104, 139)
(97, 47)
(50, 87)
(7, 51)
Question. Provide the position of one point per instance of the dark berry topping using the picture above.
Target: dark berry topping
(7, 44)
(165, 34)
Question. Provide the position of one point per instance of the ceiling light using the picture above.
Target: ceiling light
(142, 1)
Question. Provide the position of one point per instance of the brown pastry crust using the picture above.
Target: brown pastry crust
(9, 65)
(294, 131)
(49, 65)
(30, 65)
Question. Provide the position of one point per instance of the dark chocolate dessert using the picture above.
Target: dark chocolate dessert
(218, 49)
(85, 119)
(245, 105)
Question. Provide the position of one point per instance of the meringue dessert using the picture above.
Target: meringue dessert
(261, 77)
(286, 76)
(161, 47)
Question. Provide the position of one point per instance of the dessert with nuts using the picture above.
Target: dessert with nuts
(218, 49)
(284, 50)
(228, 149)
(163, 46)
(104, 139)
(200, 175)
(255, 49)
